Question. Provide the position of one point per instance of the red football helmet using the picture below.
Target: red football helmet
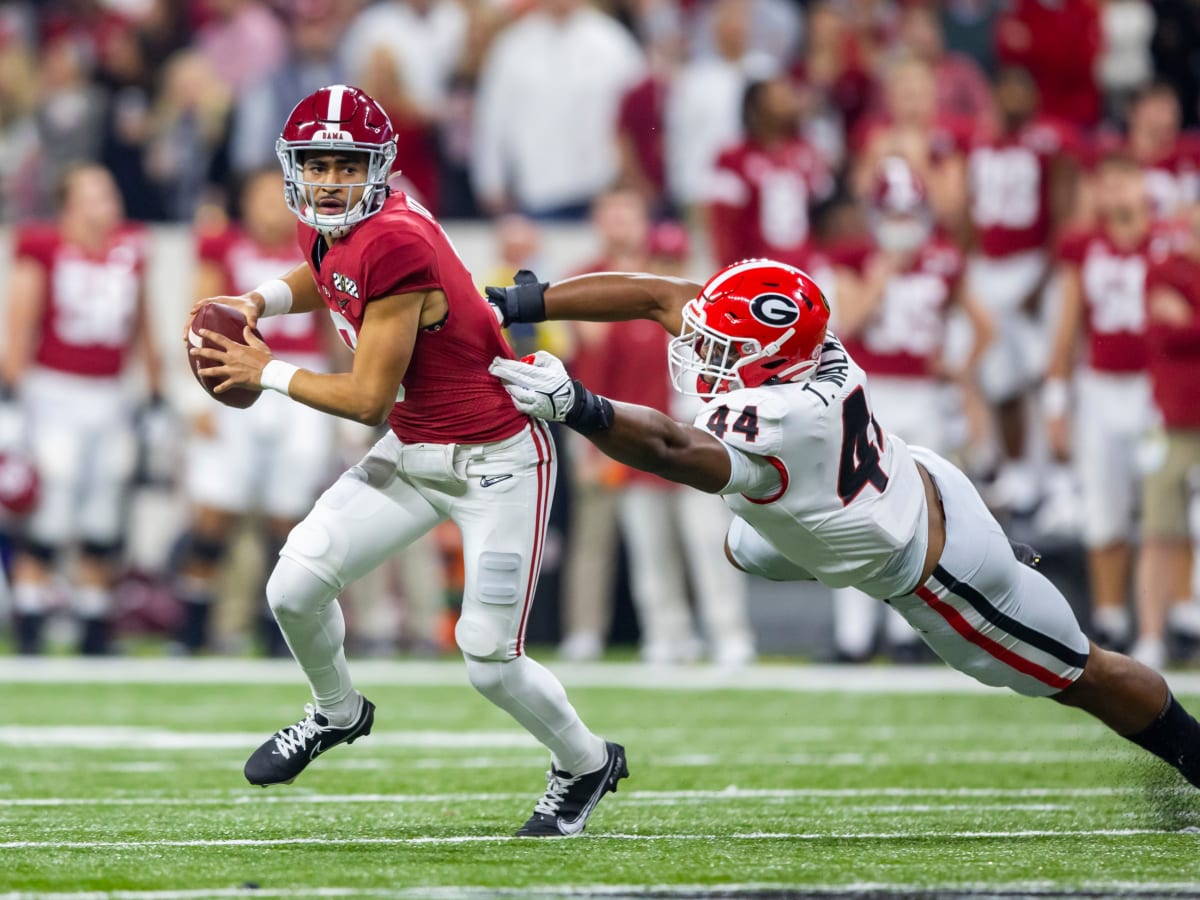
(901, 217)
(19, 483)
(754, 323)
(334, 118)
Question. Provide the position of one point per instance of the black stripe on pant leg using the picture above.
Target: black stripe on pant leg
(984, 607)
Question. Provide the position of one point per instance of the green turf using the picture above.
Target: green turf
(727, 787)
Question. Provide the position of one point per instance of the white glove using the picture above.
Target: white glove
(541, 388)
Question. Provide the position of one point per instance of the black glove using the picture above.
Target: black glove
(522, 301)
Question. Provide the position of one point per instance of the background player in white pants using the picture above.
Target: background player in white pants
(276, 456)
(76, 319)
(402, 299)
(893, 322)
(1104, 309)
(822, 491)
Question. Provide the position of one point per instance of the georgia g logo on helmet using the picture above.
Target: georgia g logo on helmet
(776, 310)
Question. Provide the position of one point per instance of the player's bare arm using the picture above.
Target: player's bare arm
(26, 290)
(983, 328)
(368, 391)
(146, 341)
(1055, 395)
(602, 297)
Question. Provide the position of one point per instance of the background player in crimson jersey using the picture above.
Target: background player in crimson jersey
(894, 326)
(763, 188)
(76, 316)
(273, 458)
(457, 449)
(1173, 341)
(1021, 182)
(1103, 302)
(820, 491)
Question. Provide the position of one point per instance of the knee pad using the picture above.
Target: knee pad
(486, 631)
(486, 676)
(294, 591)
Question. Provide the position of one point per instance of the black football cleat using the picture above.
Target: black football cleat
(569, 799)
(287, 752)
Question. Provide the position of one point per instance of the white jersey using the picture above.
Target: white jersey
(850, 506)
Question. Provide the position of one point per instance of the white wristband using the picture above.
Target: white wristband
(277, 375)
(1056, 397)
(277, 297)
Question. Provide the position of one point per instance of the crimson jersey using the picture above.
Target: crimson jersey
(760, 200)
(244, 263)
(905, 337)
(1175, 350)
(1172, 180)
(1010, 186)
(1113, 282)
(90, 308)
(447, 395)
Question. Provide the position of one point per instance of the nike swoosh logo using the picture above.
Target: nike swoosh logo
(315, 750)
(488, 480)
(572, 828)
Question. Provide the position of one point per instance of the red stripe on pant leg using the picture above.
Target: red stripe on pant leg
(1000, 652)
(540, 507)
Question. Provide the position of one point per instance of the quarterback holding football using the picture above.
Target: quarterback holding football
(423, 337)
(820, 491)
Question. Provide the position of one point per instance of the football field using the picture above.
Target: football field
(123, 779)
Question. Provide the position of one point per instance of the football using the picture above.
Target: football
(230, 322)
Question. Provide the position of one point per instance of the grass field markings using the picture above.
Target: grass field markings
(938, 835)
(120, 737)
(713, 890)
(730, 794)
(766, 677)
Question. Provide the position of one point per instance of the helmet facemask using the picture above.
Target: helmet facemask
(299, 192)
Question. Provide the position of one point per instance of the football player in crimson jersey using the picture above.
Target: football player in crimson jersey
(274, 457)
(76, 317)
(1103, 302)
(820, 491)
(457, 449)
(893, 322)
(1021, 181)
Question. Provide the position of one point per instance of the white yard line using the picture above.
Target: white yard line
(730, 794)
(508, 838)
(368, 672)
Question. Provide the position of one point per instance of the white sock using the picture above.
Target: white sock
(531, 694)
(1113, 621)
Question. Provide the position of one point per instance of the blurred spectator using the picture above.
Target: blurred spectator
(311, 62)
(1021, 184)
(1059, 42)
(968, 26)
(775, 27)
(1103, 277)
(911, 127)
(704, 106)
(187, 130)
(834, 84)
(19, 194)
(1125, 64)
(763, 188)
(620, 220)
(547, 109)
(962, 89)
(272, 459)
(1173, 463)
(244, 41)
(894, 326)
(77, 315)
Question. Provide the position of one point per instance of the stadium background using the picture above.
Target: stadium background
(181, 100)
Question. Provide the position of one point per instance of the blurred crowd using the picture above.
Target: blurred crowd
(1000, 198)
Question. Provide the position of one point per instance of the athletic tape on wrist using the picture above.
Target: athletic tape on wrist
(277, 375)
(589, 412)
(277, 297)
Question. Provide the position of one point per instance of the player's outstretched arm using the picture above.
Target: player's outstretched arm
(602, 297)
(634, 435)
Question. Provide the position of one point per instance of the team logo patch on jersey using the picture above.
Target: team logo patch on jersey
(345, 285)
(776, 310)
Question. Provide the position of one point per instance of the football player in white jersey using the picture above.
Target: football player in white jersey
(821, 492)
